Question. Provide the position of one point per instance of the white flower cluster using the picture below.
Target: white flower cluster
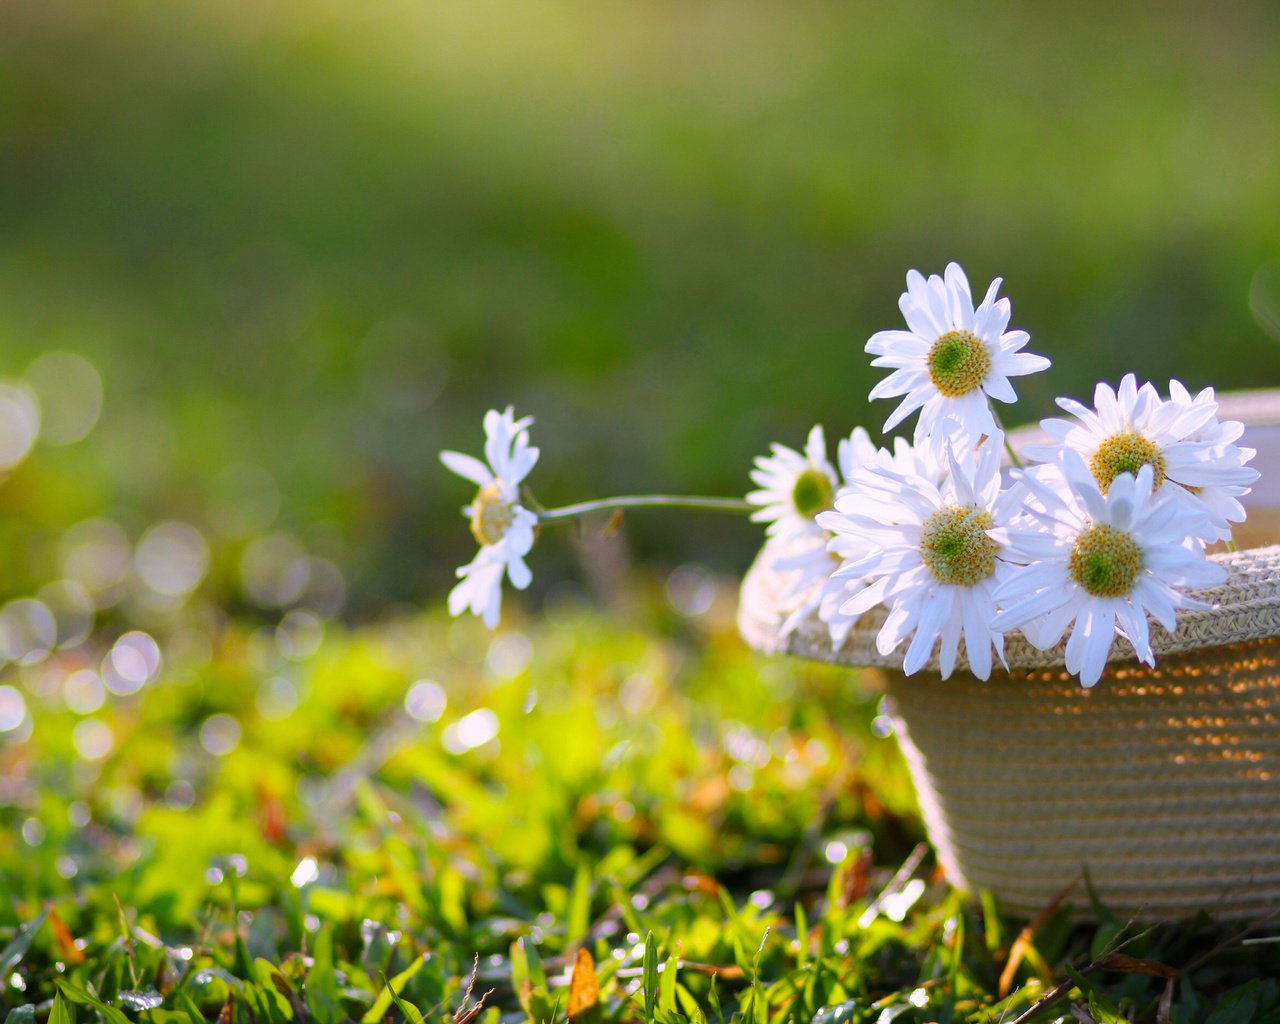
(1109, 525)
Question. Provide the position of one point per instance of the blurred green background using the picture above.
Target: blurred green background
(306, 245)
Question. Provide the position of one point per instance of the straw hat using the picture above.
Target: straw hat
(1163, 785)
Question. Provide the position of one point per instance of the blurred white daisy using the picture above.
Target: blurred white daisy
(827, 591)
(1102, 561)
(1181, 439)
(830, 590)
(794, 487)
(953, 357)
(827, 596)
(811, 560)
(926, 554)
(502, 527)
(856, 452)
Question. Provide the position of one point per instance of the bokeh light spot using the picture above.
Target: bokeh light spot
(19, 422)
(299, 635)
(96, 553)
(425, 701)
(72, 610)
(172, 558)
(220, 735)
(509, 655)
(691, 590)
(277, 699)
(132, 662)
(471, 731)
(93, 739)
(28, 631)
(70, 393)
(274, 571)
(13, 709)
(84, 692)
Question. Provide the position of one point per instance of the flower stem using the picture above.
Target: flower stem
(582, 508)
(1013, 455)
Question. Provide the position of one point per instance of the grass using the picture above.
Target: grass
(575, 820)
(323, 239)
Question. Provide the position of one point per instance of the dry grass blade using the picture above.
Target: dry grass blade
(1061, 989)
(1023, 947)
(1231, 940)
(465, 1014)
(1164, 1011)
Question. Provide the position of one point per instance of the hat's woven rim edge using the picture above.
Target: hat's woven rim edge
(1245, 608)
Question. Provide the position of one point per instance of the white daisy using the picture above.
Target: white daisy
(1181, 439)
(827, 591)
(827, 596)
(503, 528)
(953, 357)
(930, 456)
(855, 452)
(813, 587)
(1102, 561)
(794, 488)
(927, 555)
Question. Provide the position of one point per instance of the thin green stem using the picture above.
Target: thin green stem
(582, 508)
(1013, 455)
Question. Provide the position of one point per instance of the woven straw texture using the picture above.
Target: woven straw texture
(1162, 784)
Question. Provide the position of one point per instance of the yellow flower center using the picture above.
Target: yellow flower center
(491, 515)
(1126, 452)
(812, 493)
(1105, 561)
(958, 363)
(955, 545)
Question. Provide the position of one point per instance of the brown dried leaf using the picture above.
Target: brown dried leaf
(857, 878)
(584, 990)
(64, 940)
(1123, 964)
(272, 811)
(613, 525)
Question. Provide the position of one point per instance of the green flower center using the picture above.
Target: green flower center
(1105, 561)
(955, 545)
(812, 493)
(1126, 452)
(491, 515)
(958, 363)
